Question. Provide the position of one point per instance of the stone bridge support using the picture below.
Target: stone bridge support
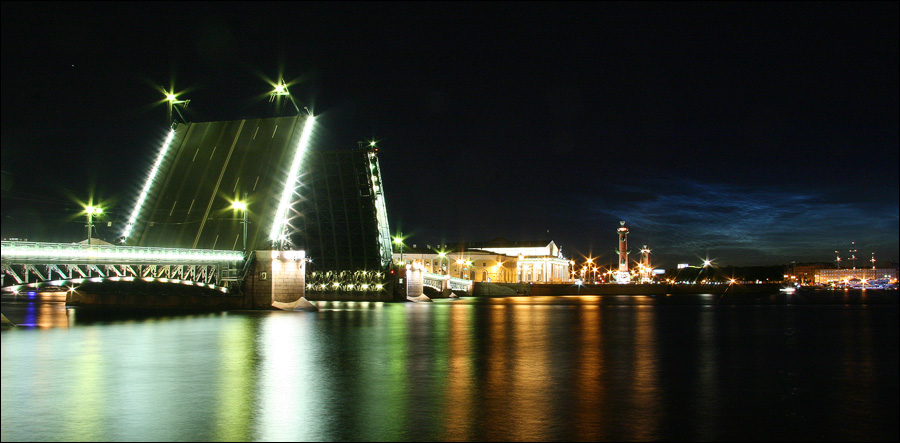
(415, 283)
(278, 279)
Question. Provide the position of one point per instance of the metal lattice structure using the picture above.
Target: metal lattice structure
(36, 264)
(340, 216)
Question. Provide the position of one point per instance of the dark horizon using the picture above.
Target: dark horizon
(751, 134)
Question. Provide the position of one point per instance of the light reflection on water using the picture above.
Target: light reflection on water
(517, 368)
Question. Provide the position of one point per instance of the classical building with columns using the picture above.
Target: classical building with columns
(499, 260)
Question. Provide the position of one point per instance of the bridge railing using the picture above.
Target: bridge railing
(37, 264)
(40, 252)
(436, 281)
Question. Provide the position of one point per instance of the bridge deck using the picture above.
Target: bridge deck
(209, 166)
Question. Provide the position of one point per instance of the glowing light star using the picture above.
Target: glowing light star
(289, 186)
(146, 190)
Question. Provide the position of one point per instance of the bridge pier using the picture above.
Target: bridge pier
(415, 282)
(445, 288)
(278, 279)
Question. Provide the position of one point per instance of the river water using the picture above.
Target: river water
(818, 367)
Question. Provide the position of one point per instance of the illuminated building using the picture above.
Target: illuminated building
(499, 261)
(849, 276)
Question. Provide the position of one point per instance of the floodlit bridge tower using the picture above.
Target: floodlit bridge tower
(645, 264)
(623, 276)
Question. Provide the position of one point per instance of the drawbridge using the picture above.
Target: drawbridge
(259, 184)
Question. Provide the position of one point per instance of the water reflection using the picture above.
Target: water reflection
(236, 387)
(34, 309)
(459, 416)
(286, 389)
(519, 368)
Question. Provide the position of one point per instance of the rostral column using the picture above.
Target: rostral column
(623, 276)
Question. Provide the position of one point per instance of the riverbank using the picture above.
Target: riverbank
(484, 289)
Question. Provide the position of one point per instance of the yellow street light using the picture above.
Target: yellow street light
(399, 242)
(459, 263)
(242, 206)
(442, 255)
(90, 211)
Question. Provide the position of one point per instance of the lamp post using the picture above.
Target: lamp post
(281, 89)
(706, 263)
(242, 206)
(399, 242)
(572, 264)
(173, 100)
(442, 255)
(91, 210)
(459, 263)
(589, 264)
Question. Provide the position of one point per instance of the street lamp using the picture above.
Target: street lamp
(281, 89)
(399, 242)
(459, 263)
(91, 210)
(442, 255)
(242, 206)
(173, 100)
(589, 264)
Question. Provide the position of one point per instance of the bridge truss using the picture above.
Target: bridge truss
(36, 265)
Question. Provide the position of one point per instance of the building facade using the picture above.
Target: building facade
(498, 261)
(856, 276)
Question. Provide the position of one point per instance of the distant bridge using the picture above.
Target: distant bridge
(441, 282)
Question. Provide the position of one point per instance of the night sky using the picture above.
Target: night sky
(751, 134)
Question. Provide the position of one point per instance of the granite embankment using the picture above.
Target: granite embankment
(483, 289)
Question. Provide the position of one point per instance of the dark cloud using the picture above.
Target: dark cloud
(748, 225)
